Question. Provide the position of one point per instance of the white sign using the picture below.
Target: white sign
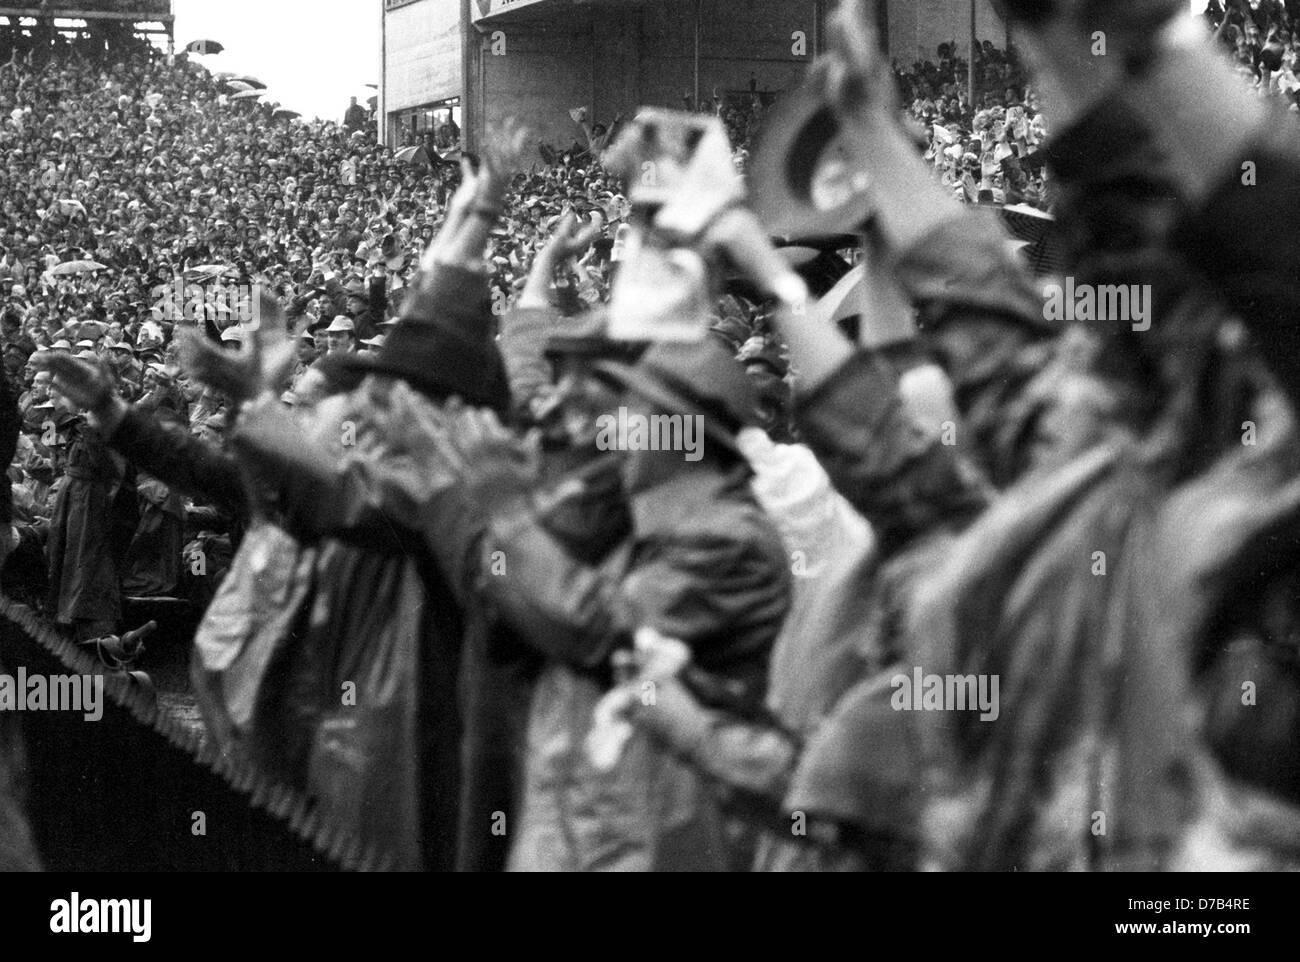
(491, 8)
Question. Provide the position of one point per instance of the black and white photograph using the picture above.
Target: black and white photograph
(651, 436)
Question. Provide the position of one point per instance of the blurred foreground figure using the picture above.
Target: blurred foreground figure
(1100, 590)
(17, 849)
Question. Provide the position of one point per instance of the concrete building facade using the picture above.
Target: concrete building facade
(537, 59)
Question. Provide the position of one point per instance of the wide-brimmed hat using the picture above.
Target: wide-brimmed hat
(450, 353)
(342, 324)
(699, 377)
(799, 184)
(588, 336)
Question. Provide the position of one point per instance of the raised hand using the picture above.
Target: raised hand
(568, 241)
(571, 238)
(88, 385)
(854, 74)
(503, 157)
(495, 464)
(477, 203)
(262, 364)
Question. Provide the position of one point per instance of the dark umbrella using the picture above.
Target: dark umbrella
(204, 47)
(412, 155)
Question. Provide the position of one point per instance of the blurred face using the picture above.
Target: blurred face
(41, 386)
(338, 342)
(61, 404)
(582, 400)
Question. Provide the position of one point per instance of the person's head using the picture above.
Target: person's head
(41, 381)
(340, 336)
(191, 389)
(15, 359)
(582, 398)
(213, 429)
(307, 350)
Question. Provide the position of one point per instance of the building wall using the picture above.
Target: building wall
(613, 58)
(536, 71)
(917, 27)
(422, 53)
(738, 41)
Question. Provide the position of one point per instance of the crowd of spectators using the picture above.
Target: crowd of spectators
(984, 152)
(163, 198)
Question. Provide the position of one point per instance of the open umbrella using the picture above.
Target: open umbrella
(246, 94)
(251, 81)
(412, 155)
(204, 47)
(69, 207)
(224, 74)
(77, 267)
(285, 112)
(238, 85)
(209, 270)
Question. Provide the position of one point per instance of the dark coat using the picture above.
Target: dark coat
(83, 554)
(189, 464)
(17, 847)
(472, 686)
(153, 557)
(292, 626)
(701, 562)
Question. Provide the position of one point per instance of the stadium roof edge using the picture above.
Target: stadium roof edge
(76, 11)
